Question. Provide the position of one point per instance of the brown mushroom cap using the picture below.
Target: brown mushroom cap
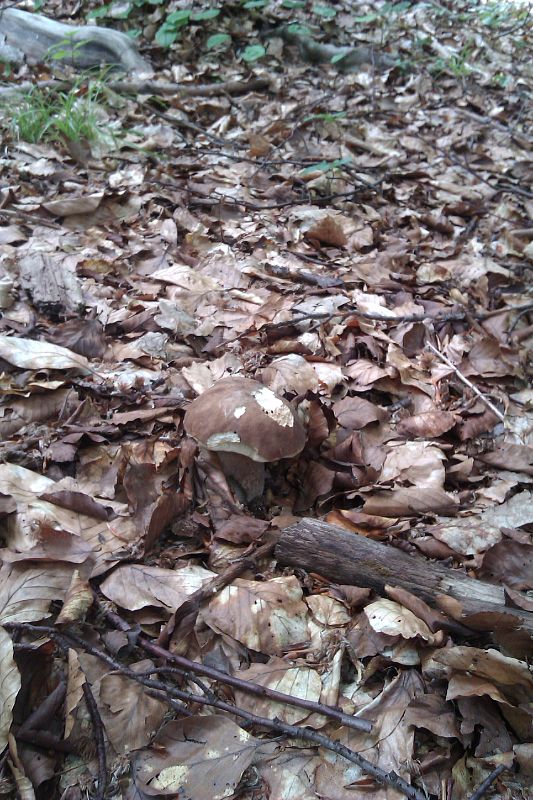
(240, 415)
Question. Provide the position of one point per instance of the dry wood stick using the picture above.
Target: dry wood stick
(487, 783)
(240, 683)
(346, 557)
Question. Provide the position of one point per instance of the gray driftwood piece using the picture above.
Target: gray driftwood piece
(347, 558)
(84, 46)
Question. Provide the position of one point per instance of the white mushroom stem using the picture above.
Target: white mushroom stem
(249, 475)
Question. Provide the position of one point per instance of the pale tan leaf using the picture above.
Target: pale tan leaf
(199, 757)
(489, 664)
(31, 354)
(106, 540)
(277, 674)
(9, 685)
(25, 790)
(130, 715)
(418, 463)
(26, 592)
(267, 616)
(392, 619)
(136, 586)
(471, 686)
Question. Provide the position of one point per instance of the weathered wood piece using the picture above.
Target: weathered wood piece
(83, 46)
(347, 558)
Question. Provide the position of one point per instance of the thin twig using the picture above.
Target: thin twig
(451, 316)
(466, 382)
(239, 683)
(481, 790)
(304, 734)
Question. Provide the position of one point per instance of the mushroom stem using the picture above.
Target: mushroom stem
(249, 475)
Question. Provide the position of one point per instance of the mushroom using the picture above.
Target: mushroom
(246, 424)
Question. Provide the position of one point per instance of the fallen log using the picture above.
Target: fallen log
(347, 558)
(40, 37)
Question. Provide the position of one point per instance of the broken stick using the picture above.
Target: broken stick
(347, 558)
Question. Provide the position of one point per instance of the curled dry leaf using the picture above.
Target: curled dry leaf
(74, 695)
(489, 664)
(268, 617)
(78, 600)
(105, 540)
(9, 685)
(510, 563)
(429, 424)
(419, 463)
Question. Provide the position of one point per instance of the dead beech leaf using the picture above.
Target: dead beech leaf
(355, 413)
(199, 757)
(489, 664)
(392, 619)
(136, 586)
(328, 231)
(472, 686)
(297, 681)
(480, 532)
(427, 425)
(509, 562)
(26, 592)
(409, 501)
(106, 540)
(129, 714)
(68, 206)
(266, 616)
(419, 463)
(16, 413)
(9, 685)
(31, 354)
(432, 712)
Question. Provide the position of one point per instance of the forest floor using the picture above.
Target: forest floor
(356, 235)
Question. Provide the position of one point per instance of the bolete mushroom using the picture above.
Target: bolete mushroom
(246, 424)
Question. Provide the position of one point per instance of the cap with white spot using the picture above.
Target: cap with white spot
(240, 415)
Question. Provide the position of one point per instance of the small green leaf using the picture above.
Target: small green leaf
(253, 52)
(255, 3)
(218, 39)
(166, 35)
(339, 56)
(209, 13)
(293, 4)
(98, 13)
(372, 17)
(301, 30)
(326, 12)
(178, 18)
(325, 166)
(327, 116)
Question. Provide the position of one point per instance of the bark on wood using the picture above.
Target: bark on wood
(347, 558)
(84, 46)
(234, 88)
